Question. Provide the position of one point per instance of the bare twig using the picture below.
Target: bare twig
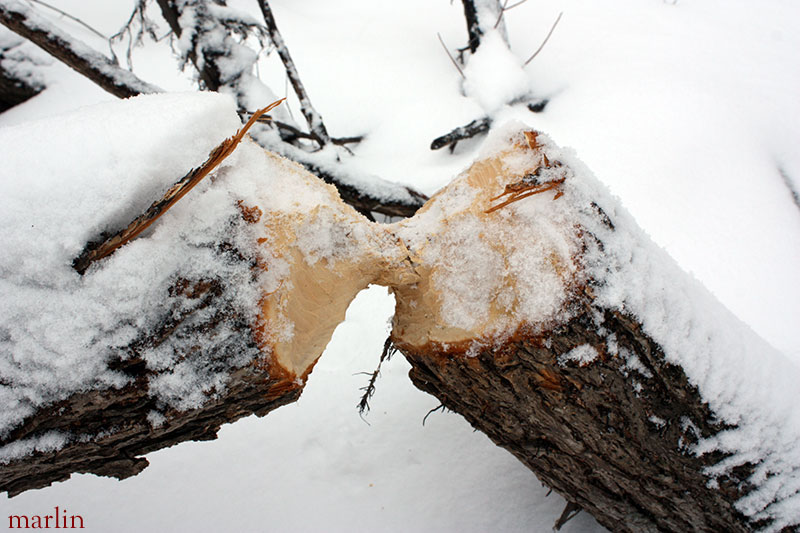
(294, 132)
(145, 26)
(525, 64)
(505, 8)
(570, 511)
(315, 124)
(23, 20)
(455, 64)
(440, 407)
(473, 25)
(96, 251)
(369, 390)
(462, 132)
(72, 18)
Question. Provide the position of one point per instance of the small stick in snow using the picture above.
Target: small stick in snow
(455, 64)
(468, 131)
(95, 251)
(570, 512)
(536, 53)
(369, 390)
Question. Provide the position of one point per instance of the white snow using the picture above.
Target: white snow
(687, 111)
(494, 75)
(583, 355)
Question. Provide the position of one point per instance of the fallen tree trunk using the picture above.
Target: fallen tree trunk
(527, 301)
(232, 327)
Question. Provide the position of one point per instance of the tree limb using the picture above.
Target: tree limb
(467, 131)
(22, 20)
(315, 123)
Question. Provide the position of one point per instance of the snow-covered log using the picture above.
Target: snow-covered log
(552, 323)
(527, 300)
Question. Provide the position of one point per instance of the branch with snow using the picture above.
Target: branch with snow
(315, 124)
(493, 76)
(19, 79)
(23, 20)
(223, 64)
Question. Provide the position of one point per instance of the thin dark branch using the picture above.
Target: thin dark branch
(72, 18)
(98, 68)
(468, 131)
(536, 53)
(474, 32)
(441, 406)
(789, 185)
(455, 64)
(570, 512)
(505, 8)
(315, 123)
(369, 390)
(97, 251)
(145, 26)
(207, 71)
(292, 133)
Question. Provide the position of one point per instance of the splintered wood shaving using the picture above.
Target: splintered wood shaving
(530, 183)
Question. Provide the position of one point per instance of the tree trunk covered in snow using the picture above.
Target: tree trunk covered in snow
(116, 426)
(527, 301)
(532, 318)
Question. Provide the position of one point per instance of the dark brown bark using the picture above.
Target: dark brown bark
(476, 127)
(207, 68)
(78, 56)
(112, 428)
(13, 90)
(618, 450)
(473, 25)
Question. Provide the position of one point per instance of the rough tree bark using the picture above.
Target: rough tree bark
(586, 431)
(504, 285)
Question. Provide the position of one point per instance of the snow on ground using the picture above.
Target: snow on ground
(687, 110)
